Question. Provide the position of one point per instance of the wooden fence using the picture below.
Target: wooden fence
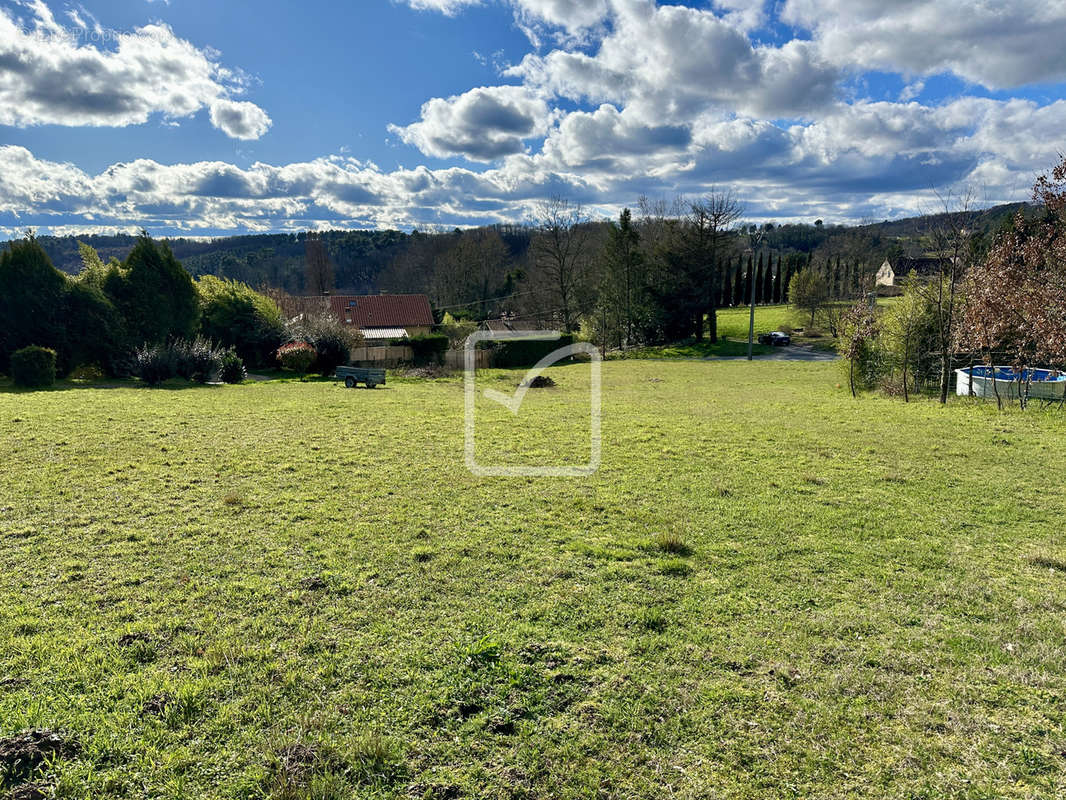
(398, 355)
(389, 356)
(456, 359)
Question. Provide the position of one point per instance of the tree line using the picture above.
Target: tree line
(995, 298)
(146, 311)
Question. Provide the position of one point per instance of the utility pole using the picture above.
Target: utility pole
(751, 323)
(755, 236)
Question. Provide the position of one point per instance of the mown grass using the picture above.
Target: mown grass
(723, 348)
(733, 324)
(293, 590)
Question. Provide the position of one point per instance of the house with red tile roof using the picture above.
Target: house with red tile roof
(384, 316)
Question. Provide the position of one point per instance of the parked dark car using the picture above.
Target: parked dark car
(775, 339)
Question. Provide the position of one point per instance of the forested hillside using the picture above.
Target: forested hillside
(441, 264)
(269, 259)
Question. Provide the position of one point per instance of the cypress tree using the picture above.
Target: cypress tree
(778, 291)
(738, 282)
(768, 279)
(154, 293)
(31, 292)
(758, 281)
(748, 278)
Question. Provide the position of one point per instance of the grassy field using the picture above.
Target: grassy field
(733, 326)
(769, 590)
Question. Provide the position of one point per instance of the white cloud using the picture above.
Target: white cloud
(51, 75)
(482, 124)
(994, 43)
(239, 120)
(571, 15)
(447, 7)
(672, 63)
(875, 159)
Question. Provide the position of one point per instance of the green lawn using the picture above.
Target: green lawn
(769, 590)
(733, 322)
(723, 348)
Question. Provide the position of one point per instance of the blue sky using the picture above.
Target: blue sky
(202, 118)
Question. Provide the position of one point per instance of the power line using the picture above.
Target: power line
(483, 302)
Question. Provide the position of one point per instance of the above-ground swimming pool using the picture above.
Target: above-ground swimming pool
(1036, 384)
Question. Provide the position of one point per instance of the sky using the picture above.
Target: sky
(202, 118)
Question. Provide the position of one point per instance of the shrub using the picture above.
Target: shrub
(33, 367)
(154, 364)
(87, 372)
(331, 340)
(863, 358)
(429, 349)
(527, 352)
(297, 356)
(234, 315)
(233, 370)
(198, 360)
(457, 330)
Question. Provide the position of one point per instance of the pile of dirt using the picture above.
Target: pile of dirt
(22, 755)
(157, 704)
(540, 382)
(28, 791)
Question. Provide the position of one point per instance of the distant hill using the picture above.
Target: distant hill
(982, 222)
(272, 259)
(360, 258)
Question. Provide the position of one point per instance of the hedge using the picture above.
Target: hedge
(527, 352)
(429, 349)
(33, 367)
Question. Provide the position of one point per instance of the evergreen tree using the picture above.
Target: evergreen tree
(31, 294)
(94, 333)
(154, 294)
(759, 281)
(749, 276)
(738, 282)
(780, 279)
(622, 311)
(768, 286)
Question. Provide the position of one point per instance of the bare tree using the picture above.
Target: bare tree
(951, 240)
(710, 222)
(1016, 296)
(562, 254)
(318, 267)
(471, 271)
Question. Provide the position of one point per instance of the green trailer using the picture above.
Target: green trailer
(353, 376)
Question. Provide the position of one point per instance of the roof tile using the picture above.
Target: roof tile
(384, 310)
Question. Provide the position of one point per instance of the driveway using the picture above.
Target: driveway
(794, 352)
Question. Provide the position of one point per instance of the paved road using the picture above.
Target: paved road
(791, 353)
